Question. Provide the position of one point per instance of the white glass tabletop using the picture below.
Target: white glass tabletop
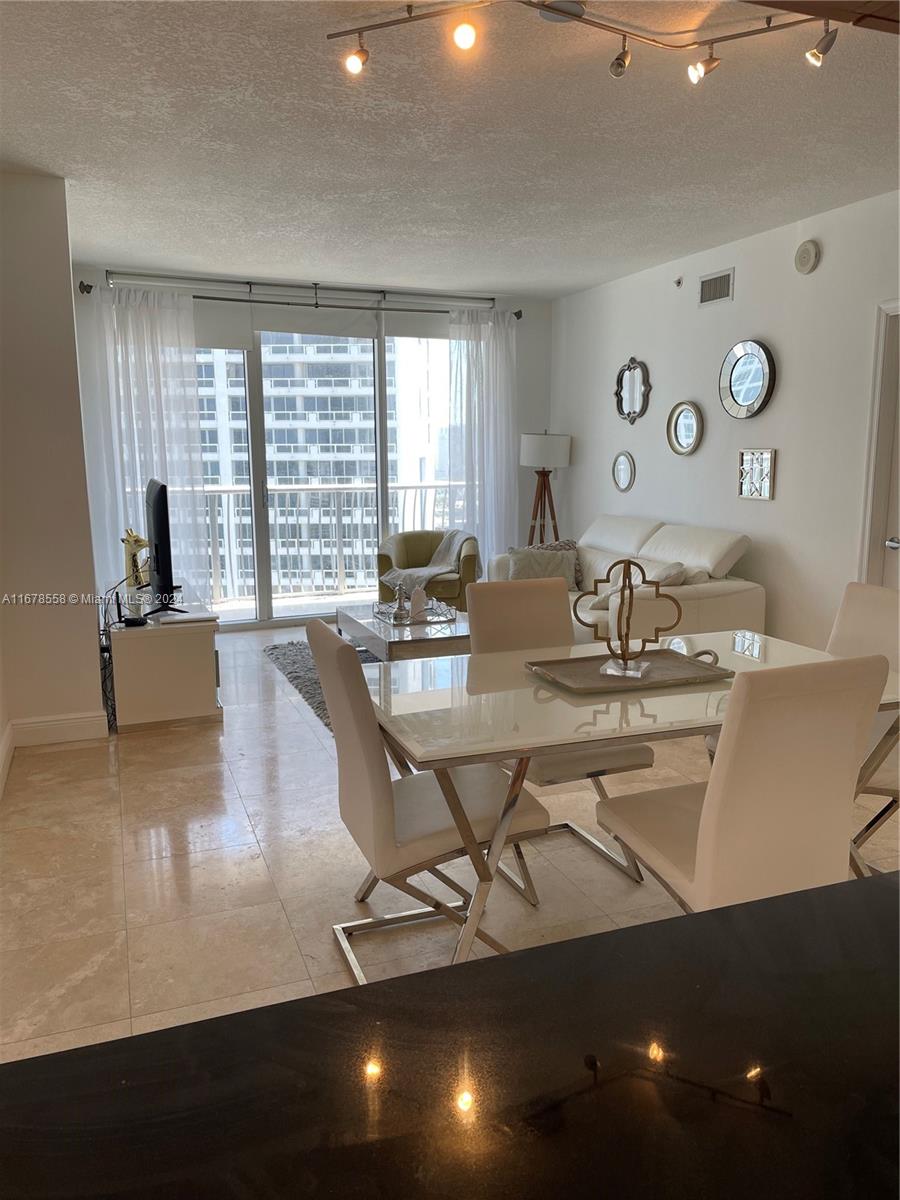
(446, 711)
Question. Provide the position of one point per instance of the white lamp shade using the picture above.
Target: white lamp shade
(545, 450)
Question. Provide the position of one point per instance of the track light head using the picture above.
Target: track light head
(357, 59)
(465, 35)
(620, 63)
(698, 71)
(815, 56)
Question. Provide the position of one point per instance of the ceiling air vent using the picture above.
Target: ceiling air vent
(717, 287)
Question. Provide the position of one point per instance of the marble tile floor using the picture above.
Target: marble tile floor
(162, 877)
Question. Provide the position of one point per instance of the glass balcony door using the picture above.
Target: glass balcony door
(222, 391)
(313, 431)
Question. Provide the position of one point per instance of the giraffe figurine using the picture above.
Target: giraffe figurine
(135, 570)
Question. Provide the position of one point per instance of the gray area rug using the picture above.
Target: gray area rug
(295, 661)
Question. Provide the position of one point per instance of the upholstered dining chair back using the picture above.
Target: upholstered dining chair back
(365, 795)
(777, 805)
(867, 623)
(521, 614)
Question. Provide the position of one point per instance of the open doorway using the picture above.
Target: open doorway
(880, 550)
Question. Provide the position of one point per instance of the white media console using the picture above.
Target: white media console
(166, 670)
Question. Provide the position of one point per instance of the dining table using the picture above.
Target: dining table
(438, 714)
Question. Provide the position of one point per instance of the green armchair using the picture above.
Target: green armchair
(414, 549)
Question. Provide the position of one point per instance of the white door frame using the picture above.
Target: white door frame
(877, 456)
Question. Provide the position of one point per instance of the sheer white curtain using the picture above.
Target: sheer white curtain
(142, 421)
(482, 442)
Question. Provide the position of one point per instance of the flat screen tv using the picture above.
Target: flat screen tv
(162, 585)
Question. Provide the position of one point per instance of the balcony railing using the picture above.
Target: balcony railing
(323, 538)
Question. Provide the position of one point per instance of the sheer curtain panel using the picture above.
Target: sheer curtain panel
(142, 421)
(481, 438)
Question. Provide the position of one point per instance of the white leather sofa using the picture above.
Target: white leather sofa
(711, 598)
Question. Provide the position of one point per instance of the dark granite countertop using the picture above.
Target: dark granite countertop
(533, 1075)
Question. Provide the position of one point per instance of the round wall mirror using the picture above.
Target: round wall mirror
(747, 379)
(632, 390)
(685, 428)
(623, 471)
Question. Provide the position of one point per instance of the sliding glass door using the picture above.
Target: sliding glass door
(291, 463)
(318, 394)
(222, 389)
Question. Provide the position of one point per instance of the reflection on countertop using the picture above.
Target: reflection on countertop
(742, 1052)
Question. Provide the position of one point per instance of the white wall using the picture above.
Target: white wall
(821, 330)
(50, 655)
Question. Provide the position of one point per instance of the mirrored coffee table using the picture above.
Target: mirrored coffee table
(392, 643)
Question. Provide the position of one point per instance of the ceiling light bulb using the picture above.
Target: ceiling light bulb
(619, 64)
(464, 35)
(355, 62)
(464, 1101)
(822, 46)
(699, 70)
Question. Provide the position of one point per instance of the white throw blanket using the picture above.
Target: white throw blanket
(444, 561)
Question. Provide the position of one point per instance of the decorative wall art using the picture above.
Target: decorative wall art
(632, 390)
(684, 429)
(623, 471)
(756, 474)
(747, 379)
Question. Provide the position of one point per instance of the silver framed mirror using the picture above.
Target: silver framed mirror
(623, 471)
(747, 379)
(632, 390)
(684, 428)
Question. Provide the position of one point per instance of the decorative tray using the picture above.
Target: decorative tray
(436, 613)
(664, 668)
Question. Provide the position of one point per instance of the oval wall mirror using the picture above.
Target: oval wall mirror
(685, 428)
(623, 471)
(747, 379)
(632, 390)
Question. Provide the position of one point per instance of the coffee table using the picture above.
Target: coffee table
(392, 643)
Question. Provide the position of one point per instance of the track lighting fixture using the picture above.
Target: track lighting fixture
(698, 71)
(357, 60)
(822, 46)
(574, 13)
(619, 64)
(464, 35)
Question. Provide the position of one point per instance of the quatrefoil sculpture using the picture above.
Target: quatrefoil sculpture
(630, 571)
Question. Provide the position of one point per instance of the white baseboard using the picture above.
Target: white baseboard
(64, 727)
(7, 745)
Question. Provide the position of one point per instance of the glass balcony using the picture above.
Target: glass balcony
(323, 541)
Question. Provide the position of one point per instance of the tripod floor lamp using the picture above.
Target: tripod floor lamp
(544, 451)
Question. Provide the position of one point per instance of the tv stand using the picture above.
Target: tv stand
(166, 670)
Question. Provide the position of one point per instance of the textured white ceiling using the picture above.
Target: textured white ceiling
(225, 138)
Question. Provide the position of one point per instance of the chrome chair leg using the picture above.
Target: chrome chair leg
(524, 885)
(366, 888)
(858, 864)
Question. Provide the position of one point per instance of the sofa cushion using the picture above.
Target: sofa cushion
(668, 574)
(532, 563)
(624, 536)
(713, 550)
(562, 544)
(594, 564)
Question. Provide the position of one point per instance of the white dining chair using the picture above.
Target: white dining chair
(405, 827)
(773, 816)
(532, 614)
(867, 623)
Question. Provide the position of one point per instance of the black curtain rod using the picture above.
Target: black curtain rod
(518, 313)
(87, 288)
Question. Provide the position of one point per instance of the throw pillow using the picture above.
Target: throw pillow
(562, 544)
(665, 574)
(543, 564)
